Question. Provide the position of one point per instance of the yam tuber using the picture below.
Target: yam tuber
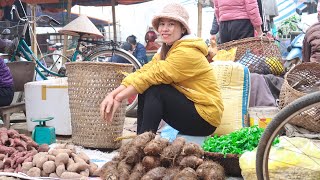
(155, 174)
(155, 146)
(60, 169)
(134, 155)
(192, 149)
(141, 140)
(109, 170)
(71, 175)
(150, 162)
(92, 168)
(83, 156)
(171, 172)
(170, 152)
(137, 172)
(210, 170)
(124, 169)
(191, 161)
(186, 174)
(61, 158)
(55, 152)
(77, 167)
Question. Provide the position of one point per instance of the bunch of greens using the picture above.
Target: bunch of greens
(245, 139)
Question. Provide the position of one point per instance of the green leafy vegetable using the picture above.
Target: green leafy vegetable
(245, 139)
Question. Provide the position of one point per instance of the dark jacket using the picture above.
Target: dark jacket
(140, 53)
(215, 26)
(311, 44)
(6, 79)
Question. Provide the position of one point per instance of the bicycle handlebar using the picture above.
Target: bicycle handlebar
(51, 19)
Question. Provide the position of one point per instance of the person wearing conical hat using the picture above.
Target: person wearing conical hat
(178, 85)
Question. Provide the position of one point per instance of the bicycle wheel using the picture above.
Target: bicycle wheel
(54, 63)
(306, 105)
(104, 55)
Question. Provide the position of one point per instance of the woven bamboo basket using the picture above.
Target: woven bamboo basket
(299, 81)
(88, 84)
(230, 162)
(264, 58)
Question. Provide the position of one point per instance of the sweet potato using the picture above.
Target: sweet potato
(13, 133)
(49, 167)
(191, 161)
(34, 172)
(92, 168)
(77, 159)
(7, 150)
(71, 175)
(60, 169)
(53, 175)
(43, 148)
(55, 152)
(150, 162)
(192, 149)
(186, 174)
(155, 174)
(210, 170)
(19, 142)
(1, 165)
(2, 156)
(85, 173)
(170, 152)
(61, 158)
(8, 170)
(4, 138)
(78, 167)
(137, 172)
(155, 146)
(83, 156)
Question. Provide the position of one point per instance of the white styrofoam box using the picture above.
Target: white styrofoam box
(49, 98)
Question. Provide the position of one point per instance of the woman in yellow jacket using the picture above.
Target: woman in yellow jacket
(178, 85)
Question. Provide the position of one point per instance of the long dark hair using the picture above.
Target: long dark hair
(165, 48)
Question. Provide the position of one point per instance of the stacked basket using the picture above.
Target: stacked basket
(88, 84)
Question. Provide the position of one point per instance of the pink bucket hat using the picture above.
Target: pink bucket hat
(175, 12)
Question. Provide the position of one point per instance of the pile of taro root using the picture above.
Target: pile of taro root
(146, 157)
(16, 149)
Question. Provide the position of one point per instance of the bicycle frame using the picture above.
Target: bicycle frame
(28, 54)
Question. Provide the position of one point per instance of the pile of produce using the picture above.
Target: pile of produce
(61, 162)
(16, 149)
(147, 157)
(238, 142)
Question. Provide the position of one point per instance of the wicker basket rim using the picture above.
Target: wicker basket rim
(245, 40)
(302, 66)
(220, 155)
(98, 63)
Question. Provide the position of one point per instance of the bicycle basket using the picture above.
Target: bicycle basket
(299, 81)
(260, 54)
(88, 84)
(16, 29)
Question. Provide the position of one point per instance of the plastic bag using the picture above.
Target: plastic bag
(290, 155)
(224, 55)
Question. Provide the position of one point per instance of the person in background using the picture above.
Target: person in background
(119, 59)
(214, 28)
(6, 84)
(178, 85)
(150, 39)
(237, 19)
(311, 44)
(139, 51)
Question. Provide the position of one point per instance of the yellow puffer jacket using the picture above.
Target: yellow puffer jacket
(187, 69)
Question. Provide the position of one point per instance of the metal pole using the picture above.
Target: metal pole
(199, 19)
(34, 46)
(65, 37)
(114, 23)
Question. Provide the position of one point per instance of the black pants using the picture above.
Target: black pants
(235, 29)
(6, 96)
(167, 103)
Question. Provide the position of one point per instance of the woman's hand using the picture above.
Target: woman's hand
(108, 107)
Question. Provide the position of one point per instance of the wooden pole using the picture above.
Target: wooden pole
(34, 46)
(114, 23)
(199, 19)
(65, 37)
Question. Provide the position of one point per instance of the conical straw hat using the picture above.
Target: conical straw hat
(81, 26)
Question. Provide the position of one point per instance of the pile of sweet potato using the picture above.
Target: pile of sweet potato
(147, 157)
(16, 149)
(60, 162)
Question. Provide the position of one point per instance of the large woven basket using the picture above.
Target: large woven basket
(267, 56)
(230, 162)
(88, 84)
(299, 81)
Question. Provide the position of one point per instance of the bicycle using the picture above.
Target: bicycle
(308, 104)
(97, 50)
